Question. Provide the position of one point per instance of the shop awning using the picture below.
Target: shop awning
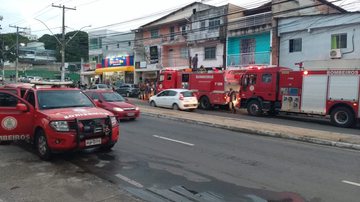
(115, 69)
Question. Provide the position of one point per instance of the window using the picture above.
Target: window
(154, 33)
(338, 41)
(210, 53)
(56, 99)
(31, 98)
(118, 45)
(214, 23)
(8, 100)
(295, 45)
(202, 25)
(95, 43)
(106, 47)
(169, 76)
(95, 96)
(129, 43)
(172, 33)
(184, 52)
(249, 79)
(164, 93)
(185, 78)
(172, 93)
(183, 30)
(266, 78)
(161, 78)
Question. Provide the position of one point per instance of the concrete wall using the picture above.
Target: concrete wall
(316, 47)
(262, 49)
(200, 50)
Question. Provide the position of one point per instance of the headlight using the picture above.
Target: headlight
(137, 108)
(117, 109)
(61, 126)
(113, 120)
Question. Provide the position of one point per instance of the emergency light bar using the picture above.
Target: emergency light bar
(52, 83)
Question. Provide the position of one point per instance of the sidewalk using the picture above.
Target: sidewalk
(24, 177)
(254, 127)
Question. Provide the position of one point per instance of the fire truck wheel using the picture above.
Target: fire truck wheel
(175, 106)
(254, 108)
(42, 146)
(205, 102)
(153, 104)
(342, 117)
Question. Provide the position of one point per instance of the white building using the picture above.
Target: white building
(320, 42)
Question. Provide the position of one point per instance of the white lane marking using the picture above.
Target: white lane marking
(352, 183)
(130, 181)
(177, 141)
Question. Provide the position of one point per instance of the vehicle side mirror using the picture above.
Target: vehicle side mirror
(22, 107)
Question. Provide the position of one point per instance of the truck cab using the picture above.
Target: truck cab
(259, 89)
(56, 119)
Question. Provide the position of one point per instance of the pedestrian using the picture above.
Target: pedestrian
(232, 100)
(142, 90)
(195, 62)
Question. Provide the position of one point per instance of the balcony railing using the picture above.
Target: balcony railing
(244, 59)
(173, 38)
(251, 21)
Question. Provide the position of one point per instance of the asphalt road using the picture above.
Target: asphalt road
(298, 120)
(158, 154)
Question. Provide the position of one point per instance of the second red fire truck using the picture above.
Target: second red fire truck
(211, 88)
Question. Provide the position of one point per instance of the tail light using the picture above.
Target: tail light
(181, 96)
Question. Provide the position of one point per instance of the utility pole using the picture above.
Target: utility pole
(17, 50)
(63, 43)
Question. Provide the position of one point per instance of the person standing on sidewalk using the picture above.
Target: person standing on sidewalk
(232, 100)
(195, 62)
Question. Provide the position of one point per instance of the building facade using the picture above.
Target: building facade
(113, 52)
(35, 53)
(338, 35)
(164, 42)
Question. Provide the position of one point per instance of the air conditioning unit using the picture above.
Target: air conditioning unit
(335, 53)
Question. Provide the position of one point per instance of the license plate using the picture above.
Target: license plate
(92, 142)
(130, 114)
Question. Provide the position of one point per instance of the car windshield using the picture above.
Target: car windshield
(113, 97)
(63, 99)
(187, 94)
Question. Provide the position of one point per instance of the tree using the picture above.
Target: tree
(76, 48)
(8, 51)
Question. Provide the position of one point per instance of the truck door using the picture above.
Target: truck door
(248, 85)
(16, 117)
(267, 86)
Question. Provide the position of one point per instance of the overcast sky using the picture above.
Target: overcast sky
(99, 13)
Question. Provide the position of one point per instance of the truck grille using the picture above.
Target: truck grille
(91, 127)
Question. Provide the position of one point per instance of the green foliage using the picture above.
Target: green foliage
(9, 41)
(76, 48)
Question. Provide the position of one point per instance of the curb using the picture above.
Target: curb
(343, 145)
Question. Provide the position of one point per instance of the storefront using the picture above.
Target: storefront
(117, 69)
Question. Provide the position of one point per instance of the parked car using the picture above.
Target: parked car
(100, 87)
(115, 103)
(28, 79)
(177, 99)
(128, 90)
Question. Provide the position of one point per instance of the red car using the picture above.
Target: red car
(56, 119)
(115, 103)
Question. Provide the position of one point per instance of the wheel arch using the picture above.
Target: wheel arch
(341, 105)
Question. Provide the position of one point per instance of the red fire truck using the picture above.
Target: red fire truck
(211, 88)
(333, 93)
(55, 118)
